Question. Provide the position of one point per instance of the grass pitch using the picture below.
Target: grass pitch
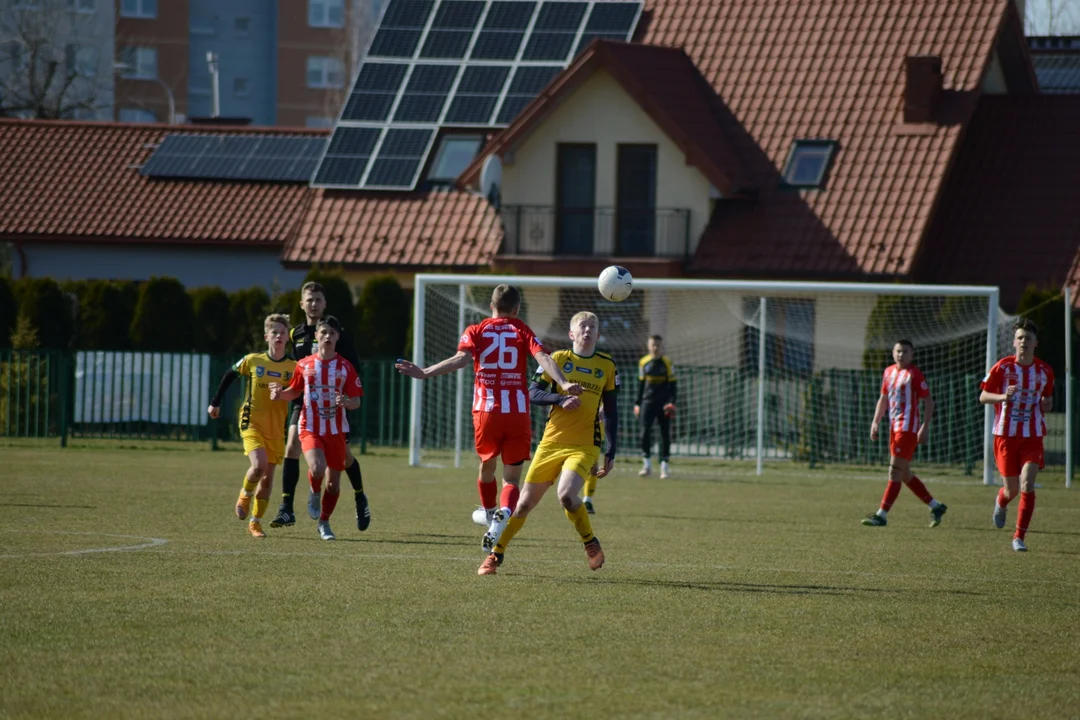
(129, 590)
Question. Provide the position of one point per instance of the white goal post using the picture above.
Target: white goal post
(797, 391)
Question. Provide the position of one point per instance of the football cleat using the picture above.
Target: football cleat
(490, 564)
(243, 506)
(665, 470)
(874, 520)
(595, 554)
(498, 524)
(314, 504)
(363, 513)
(255, 528)
(325, 532)
(284, 517)
(936, 514)
(999, 515)
(646, 469)
(1018, 545)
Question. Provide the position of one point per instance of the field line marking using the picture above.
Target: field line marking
(149, 542)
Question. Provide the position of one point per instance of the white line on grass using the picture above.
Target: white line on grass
(149, 542)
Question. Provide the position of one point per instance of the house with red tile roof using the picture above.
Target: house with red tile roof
(770, 139)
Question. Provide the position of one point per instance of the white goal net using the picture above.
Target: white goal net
(804, 391)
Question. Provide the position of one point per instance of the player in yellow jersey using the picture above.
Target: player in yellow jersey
(571, 442)
(262, 421)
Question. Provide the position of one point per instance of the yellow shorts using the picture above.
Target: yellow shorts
(253, 440)
(552, 458)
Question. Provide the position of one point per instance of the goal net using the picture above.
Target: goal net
(804, 390)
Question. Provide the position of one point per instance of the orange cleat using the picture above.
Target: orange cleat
(490, 564)
(255, 528)
(596, 555)
(243, 506)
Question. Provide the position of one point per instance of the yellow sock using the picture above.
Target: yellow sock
(590, 485)
(512, 528)
(581, 521)
(260, 508)
(249, 487)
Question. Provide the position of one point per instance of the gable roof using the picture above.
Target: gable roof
(446, 229)
(825, 70)
(667, 86)
(79, 182)
(1010, 215)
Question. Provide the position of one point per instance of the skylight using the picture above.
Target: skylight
(808, 163)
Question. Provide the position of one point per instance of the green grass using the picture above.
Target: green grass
(724, 594)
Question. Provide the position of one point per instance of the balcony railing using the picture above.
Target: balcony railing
(595, 232)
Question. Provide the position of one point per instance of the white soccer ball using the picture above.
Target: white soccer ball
(479, 516)
(615, 283)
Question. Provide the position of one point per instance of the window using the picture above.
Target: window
(240, 87)
(137, 115)
(318, 121)
(808, 163)
(325, 72)
(138, 8)
(242, 26)
(575, 198)
(455, 154)
(636, 200)
(82, 61)
(789, 339)
(82, 6)
(326, 13)
(138, 63)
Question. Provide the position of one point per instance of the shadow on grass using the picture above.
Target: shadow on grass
(44, 505)
(767, 588)
(1009, 527)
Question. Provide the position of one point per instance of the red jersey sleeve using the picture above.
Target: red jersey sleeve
(353, 387)
(468, 340)
(993, 380)
(919, 381)
(529, 338)
(1048, 391)
(297, 382)
(885, 383)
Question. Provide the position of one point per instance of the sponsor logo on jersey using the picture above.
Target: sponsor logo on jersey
(568, 366)
(587, 371)
(288, 375)
(259, 370)
(273, 373)
(599, 373)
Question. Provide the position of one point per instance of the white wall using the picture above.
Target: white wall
(601, 112)
(229, 268)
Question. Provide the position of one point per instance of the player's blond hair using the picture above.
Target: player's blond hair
(272, 320)
(584, 315)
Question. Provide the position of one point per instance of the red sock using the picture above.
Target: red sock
(891, 491)
(488, 492)
(316, 485)
(329, 502)
(1023, 517)
(509, 498)
(920, 490)
(1003, 499)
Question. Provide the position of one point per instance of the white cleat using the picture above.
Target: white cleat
(481, 516)
(999, 515)
(498, 524)
(1018, 545)
(325, 532)
(314, 504)
(665, 470)
(646, 469)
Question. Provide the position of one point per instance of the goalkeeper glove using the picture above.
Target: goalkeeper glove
(669, 410)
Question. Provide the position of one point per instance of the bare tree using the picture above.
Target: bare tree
(55, 58)
(1052, 17)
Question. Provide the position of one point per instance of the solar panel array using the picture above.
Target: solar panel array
(267, 158)
(454, 63)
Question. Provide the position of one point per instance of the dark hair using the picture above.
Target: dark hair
(505, 298)
(905, 341)
(331, 322)
(656, 338)
(313, 287)
(1023, 323)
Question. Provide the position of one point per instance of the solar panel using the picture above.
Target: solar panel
(453, 63)
(265, 158)
(347, 156)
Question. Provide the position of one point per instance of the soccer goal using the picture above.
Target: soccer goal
(804, 390)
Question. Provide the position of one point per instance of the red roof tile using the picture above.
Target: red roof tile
(1010, 215)
(79, 181)
(446, 229)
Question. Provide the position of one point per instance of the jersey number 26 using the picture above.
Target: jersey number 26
(507, 354)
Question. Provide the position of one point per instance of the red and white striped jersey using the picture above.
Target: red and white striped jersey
(1022, 416)
(500, 365)
(904, 387)
(321, 380)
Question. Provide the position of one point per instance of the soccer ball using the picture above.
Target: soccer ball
(615, 283)
(479, 516)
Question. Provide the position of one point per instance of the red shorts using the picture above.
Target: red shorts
(1013, 453)
(333, 447)
(902, 444)
(505, 434)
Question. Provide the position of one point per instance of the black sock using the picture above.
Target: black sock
(290, 476)
(353, 471)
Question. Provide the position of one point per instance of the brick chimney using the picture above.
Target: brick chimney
(922, 87)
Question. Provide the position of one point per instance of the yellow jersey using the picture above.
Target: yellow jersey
(259, 412)
(596, 374)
